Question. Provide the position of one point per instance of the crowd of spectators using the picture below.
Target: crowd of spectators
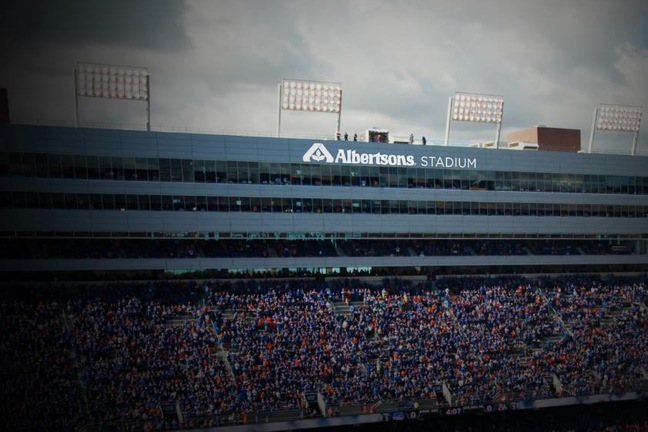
(605, 321)
(169, 355)
(79, 248)
(40, 390)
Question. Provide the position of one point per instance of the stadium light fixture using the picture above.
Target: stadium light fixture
(474, 107)
(312, 96)
(112, 82)
(617, 118)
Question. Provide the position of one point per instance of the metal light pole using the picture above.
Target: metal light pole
(112, 82)
(312, 96)
(474, 107)
(617, 118)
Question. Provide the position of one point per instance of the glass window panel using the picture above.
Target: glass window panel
(336, 173)
(131, 202)
(515, 181)
(235, 203)
(156, 202)
(141, 169)
(325, 173)
(28, 165)
(55, 167)
(253, 172)
(307, 205)
(264, 173)
(153, 168)
(201, 203)
(199, 170)
(15, 164)
(327, 205)
(167, 202)
(221, 172)
(316, 175)
(4, 164)
(391, 176)
(293, 175)
(383, 176)
(296, 174)
(92, 162)
(44, 200)
(118, 167)
(245, 204)
(337, 205)
(255, 204)
(347, 206)
(223, 204)
(120, 202)
(178, 202)
(31, 200)
(527, 181)
(467, 208)
(58, 201)
(176, 170)
(165, 170)
(354, 176)
(212, 203)
(129, 168)
(232, 172)
(317, 205)
(105, 167)
(42, 165)
(67, 163)
(19, 200)
(373, 176)
(188, 170)
(210, 171)
(274, 174)
(266, 204)
(83, 201)
(591, 184)
(143, 202)
(365, 206)
(243, 172)
(95, 201)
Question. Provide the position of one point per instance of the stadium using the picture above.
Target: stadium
(180, 281)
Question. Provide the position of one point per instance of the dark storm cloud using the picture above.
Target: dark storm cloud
(252, 43)
(215, 64)
(147, 24)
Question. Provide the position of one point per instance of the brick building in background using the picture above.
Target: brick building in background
(548, 138)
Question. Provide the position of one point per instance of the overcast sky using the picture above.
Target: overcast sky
(215, 65)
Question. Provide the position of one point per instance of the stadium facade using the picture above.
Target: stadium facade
(84, 184)
(81, 201)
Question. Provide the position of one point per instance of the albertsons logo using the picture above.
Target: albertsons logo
(318, 153)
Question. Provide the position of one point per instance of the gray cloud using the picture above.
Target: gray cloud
(215, 65)
(146, 24)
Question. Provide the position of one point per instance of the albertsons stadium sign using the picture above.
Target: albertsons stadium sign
(318, 153)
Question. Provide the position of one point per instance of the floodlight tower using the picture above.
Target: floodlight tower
(472, 107)
(112, 82)
(314, 96)
(617, 118)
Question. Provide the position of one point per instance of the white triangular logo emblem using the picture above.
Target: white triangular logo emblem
(318, 153)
